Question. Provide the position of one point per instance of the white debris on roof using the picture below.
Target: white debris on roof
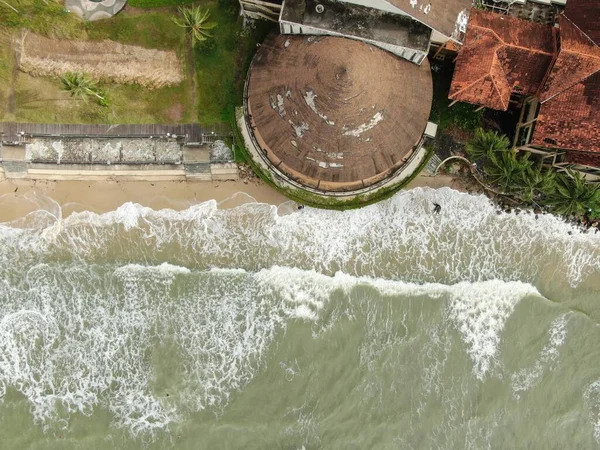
(427, 9)
(365, 126)
(287, 43)
(309, 98)
(461, 23)
(413, 3)
(299, 129)
(325, 165)
(278, 105)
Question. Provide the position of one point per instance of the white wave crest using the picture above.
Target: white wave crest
(525, 379)
(76, 337)
(591, 397)
(397, 238)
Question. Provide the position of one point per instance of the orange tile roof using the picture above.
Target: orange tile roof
(586, 15)
(571, 119)
(501, 55)
(584, 158)
(570, 114)
(578, 58)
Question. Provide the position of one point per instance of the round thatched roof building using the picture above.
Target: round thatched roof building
(333, 113)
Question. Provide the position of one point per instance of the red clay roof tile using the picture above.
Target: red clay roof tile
(571, 119)
(578, 58)
(500, 55)
(585, 14)
(583, 158)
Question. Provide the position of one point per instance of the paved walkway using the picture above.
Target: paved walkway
(95, 10)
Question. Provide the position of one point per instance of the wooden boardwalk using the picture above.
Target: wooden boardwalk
(191, 133)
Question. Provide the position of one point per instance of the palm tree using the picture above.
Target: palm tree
(81, 86)
(506, 169)
(573, 195)
(195, 23)
(535, 181)
(485, 144)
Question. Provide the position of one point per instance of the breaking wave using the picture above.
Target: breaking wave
(88, 301)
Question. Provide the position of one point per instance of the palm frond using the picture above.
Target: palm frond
(195, 21)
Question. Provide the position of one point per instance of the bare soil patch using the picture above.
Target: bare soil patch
(175, 112)
(104, 60)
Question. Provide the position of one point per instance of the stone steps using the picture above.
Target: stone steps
(433, 163)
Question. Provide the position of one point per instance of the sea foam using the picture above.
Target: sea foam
(396, 239)
(101, 290)
(74, 338)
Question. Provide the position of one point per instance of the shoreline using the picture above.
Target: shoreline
(17, 196)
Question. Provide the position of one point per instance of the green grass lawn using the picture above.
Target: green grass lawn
(220, 64)
(221, 69)
(6, 66)
(159, 3)
(151, 30)
(48, 18)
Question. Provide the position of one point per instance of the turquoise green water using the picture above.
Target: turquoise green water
(262, 327)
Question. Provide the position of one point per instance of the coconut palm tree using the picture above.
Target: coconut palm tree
(506, 169)
(195, 23)
(573, 195)
(81, 86)
(535, 181)
(485, 144)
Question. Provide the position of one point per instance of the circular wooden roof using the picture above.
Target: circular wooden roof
(334, 113)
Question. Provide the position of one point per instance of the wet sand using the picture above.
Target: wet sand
(17, 197)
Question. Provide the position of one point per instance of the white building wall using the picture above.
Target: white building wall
(437, 37)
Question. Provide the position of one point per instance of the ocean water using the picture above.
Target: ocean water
(262, 327)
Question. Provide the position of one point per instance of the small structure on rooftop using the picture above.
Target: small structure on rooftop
(396, 33)
(406, 28)
(336, 114)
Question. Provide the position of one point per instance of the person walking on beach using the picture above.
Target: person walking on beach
(437, 208)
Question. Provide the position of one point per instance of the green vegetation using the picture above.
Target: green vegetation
(46, 17)
(572, 195)
(81, 86)
(149, 30)
(219, 64)
(159, 3)
(515, 174)
(506, 170)
(195, 22)
(221, 70)
(460, 116)
(485, 144)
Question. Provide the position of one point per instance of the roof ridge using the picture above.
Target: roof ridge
(513, 45)
(496, 61)
(487, 71)
(469, 86)
(581, 80)
(582, 54)
(580, 30)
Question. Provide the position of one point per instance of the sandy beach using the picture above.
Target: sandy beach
(18, 197)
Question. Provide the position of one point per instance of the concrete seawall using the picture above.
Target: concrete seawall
(134, 159)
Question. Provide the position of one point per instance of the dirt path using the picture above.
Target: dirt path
(191, 72)
(12, 98)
